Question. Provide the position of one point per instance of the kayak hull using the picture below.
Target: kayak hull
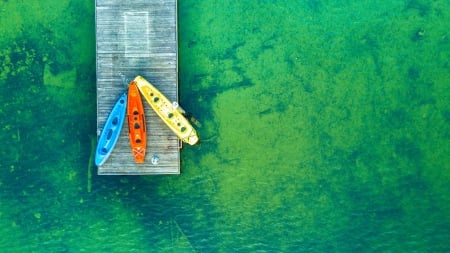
(111, 131)
(136, 123)
(172, 116)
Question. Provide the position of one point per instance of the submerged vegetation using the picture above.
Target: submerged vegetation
(324, 128)
(330, 125)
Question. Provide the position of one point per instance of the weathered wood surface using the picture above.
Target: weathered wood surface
(137, 37)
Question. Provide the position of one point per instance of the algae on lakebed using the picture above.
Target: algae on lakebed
(324, 128)
(330, 126)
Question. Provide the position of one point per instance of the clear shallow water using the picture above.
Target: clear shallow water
(325, 128)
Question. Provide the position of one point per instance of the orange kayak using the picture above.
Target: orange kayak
(136, 123)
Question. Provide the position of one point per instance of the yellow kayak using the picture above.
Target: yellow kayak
(169, 112)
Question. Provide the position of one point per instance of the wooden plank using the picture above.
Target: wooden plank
(137, 37)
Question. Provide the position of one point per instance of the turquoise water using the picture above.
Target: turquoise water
(325, 128)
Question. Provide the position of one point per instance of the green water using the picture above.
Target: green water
(325, 128)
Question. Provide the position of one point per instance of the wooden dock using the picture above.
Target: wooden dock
(137, 37)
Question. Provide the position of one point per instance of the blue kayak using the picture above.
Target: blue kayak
(111, 131)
